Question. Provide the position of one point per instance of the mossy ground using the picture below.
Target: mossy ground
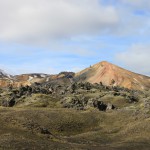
(125, 128)
(72, 129)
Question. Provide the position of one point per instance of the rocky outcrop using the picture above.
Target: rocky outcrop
(85, 103)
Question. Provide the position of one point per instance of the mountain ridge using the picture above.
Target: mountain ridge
(104, 72)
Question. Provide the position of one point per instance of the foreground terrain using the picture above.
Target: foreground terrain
(74, 116)
(69, 129)
(103, 107)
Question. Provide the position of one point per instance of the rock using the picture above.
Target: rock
(62, 92)
(101, 106)
(132, 99)
(110, 106)
(116, 94)
(12, 102)
(146, 102)
(73, 87)
(44, 130)
(96, 104)
(51, 90)
(72, 102)
(93, 90)
(90, 103)
(87, 86)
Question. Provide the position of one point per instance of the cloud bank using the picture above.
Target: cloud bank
(137, 58)
(42, 21)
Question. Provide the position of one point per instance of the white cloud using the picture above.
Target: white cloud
(136, 58)
(36, 20)
(42, 22)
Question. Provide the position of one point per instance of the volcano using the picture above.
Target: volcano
(112, 75)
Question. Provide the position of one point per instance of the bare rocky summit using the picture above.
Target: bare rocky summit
(112, 75)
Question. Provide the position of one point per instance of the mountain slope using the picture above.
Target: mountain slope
(28, 79)
(4, 74)
(113, 75)
(105, 72)
(18, 80)
(5, 79)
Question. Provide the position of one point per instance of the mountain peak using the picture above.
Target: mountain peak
(112, 75)
(104, 62)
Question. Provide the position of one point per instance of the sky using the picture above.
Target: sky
(50, 36)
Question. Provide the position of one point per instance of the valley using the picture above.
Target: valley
(75, 111)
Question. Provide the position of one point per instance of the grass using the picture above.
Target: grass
(71, 129)
(126, 128)
(37, 100)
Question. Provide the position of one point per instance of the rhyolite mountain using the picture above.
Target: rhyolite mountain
(28, 79)
(5, 79)
(112, 75)
(104, 72)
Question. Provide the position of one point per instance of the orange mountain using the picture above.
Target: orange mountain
(29, 79)
(112, 75)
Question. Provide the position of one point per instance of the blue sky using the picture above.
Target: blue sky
(50, 36)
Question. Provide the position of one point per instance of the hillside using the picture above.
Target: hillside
(29, 79)
(41, 111)
(112, 75)
(74, 116)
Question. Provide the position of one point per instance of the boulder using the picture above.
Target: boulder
(44, 130)
(101, 106)
(96, 104)
(12, 102)
(90, 103)
(110, 106)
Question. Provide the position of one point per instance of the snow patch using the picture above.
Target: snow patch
(47, 79)
(43, 75)
(3, 73)
(30, 78)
